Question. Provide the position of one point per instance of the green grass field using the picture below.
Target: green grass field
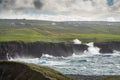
(45, 31)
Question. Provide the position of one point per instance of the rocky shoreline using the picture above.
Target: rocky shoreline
(36, 49)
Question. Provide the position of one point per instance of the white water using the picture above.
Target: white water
(77, 41)
(91, 49)
(90, 63)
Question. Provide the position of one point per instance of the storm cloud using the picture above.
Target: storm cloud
(61, 9)
(0, 1)
(20, 4)
(38, 4)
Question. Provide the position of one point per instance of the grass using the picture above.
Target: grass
(111, 78)
(29, 34)
(44, 31)
(25, 71)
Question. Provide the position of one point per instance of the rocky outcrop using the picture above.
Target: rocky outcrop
(79, 48)
(108, 47)
(24, 71)
(36, 49)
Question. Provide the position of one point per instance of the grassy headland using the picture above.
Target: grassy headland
(94, 77)
(30, 31)
(24, 71)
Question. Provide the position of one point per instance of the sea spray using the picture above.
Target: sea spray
(77, 41)
(92, 49)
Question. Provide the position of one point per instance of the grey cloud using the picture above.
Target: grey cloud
(7, 3)
(0, 1)
(38, 4)
(60, 9)
(24, 4)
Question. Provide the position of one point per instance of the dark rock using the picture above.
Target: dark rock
(36, 49)
(79, 49)
(108, 47)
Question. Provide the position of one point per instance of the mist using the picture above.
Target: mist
(61, 10)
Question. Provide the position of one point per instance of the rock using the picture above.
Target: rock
(79, 48)
(36, 49)
(108, 47)
(25, 71)
(21, 49)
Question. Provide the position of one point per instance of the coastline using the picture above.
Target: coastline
(83, 77)
(94, 77)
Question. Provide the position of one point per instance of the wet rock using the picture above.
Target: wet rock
(108, 47)
(36, 49)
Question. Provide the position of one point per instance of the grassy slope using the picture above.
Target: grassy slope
(94, 77)
(25, 71)
(44, 31)
(111, 78)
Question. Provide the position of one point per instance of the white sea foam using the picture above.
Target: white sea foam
(47, 55)
(77, 41)
(100, 64)
(92, 49)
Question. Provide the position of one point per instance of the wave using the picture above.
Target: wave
(45, 57)
(97, 64)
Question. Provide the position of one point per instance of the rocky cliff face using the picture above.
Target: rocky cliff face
(108, 47)
(36, 49)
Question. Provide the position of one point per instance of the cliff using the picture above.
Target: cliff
(36, 49)
(108, 47)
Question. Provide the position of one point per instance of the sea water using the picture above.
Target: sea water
(90, 63)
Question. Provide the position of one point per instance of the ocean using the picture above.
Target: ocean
(90, 63)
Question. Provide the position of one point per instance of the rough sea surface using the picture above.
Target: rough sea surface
(90, 63)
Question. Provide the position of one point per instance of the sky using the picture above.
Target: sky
(61, 10)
